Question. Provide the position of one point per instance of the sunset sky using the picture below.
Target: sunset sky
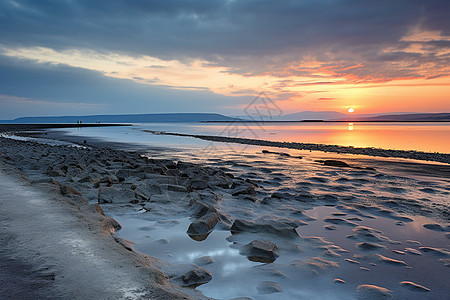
(66, 57)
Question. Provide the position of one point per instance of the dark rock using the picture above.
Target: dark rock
(196, 277)
(112, 195)
(246, 189)
(268, 287)
(436, 227)
(198, 185)
(367, 292)
(199, 209)
(124, 243)
(261, 251)
(279, 229)
(334, 163)
(204, 260)
(204, 225)
(367, 246)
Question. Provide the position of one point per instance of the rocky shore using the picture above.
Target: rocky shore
(264, 221)
(377, 152)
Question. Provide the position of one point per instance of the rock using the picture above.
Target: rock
(330, 227)
(67, 190)
(145, 191)
(204, 225)
(112, 195)
(246, 189)
(334, 163)
(412, 242)
(277, 228)
(380, 258)
(436, 251)
(330, 253)
(260, 251)
(352, 261)
(414, 286)
(370, 234)
(88, 178)
(413, 251)
(162, 241)
(284, 154)
(204, 260)
(445, 261)
(368, 246)
(268, 287)
(199, 209)
(198, 185)
(176, 188)
(369, 292)
(316, 265)
(195, 277)
(436, 227)
(124, 243)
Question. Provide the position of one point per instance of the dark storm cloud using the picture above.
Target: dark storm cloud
(209, 28)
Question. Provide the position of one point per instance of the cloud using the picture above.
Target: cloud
(47, 89)
(217, 47)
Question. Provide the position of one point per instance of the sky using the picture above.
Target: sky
(81, 57)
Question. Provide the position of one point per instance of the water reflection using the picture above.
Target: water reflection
(236, 275)
(350, 126)
(424, 136)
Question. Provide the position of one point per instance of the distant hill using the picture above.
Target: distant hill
(417, 117)
(312, 115)
(133, 118)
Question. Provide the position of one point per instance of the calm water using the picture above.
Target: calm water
(429, 137)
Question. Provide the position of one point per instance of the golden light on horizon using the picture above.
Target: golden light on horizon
(351, 109)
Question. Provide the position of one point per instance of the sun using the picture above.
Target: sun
(351, 109)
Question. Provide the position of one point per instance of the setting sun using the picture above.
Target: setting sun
(351, 109)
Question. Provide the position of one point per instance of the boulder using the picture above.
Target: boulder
(260, 251)
(195, 277)
(204, 225)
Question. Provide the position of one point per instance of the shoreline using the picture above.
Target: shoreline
(4, 127)
(44, 219)
(212, 198)
(369, 151)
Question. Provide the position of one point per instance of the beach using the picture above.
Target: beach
(290, 223)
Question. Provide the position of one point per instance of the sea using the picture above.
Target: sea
(326, 262)
(419, 136)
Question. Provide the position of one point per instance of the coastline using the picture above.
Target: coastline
(93, 171)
